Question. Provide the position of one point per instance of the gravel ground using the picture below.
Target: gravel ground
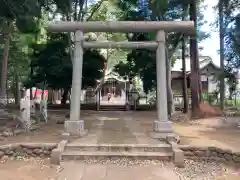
(202, 170)
(194, 170)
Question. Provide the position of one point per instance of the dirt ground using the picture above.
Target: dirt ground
(33, 169)
(47, 133)
(209, 132)
(203, 132)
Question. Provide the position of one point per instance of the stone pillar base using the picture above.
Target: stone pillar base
(74, 128)
(163, 126)
(167, 137)
(163, 130)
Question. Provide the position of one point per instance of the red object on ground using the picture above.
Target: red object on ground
(208, 110)
(39, 93)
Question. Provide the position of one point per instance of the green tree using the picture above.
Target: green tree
(221, 37)
(74, 10)
(18, 64)
(232, 44)
(109, 12)
(52, 65)
(142, 62)
(229, 45)
(16, 16)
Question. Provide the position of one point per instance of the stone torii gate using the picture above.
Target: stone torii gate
(162, 125)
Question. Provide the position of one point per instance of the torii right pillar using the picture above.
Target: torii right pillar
(162, 128)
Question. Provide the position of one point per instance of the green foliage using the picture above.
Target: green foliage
(232, 44)
(18, 62)
(27, 25)
(143, 62)
(17, 17)
(18, 56)
(48, 58)
(108, 11)
(93, 65)
(231, 51)
(231, 27)
(52, 64)
(22, 12)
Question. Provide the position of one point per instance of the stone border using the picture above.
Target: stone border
(178, 154)
(55, 150)
(56, 155)
(211, 153)
(52, 150)
(27, 149)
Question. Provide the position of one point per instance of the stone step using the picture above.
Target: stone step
(119, 147)
(4, 118)
(112, 109)
(100, 109)
(85, 155)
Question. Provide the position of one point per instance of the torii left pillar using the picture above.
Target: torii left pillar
(75, 125)
(162, 127)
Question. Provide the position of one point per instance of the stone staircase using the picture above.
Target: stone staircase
(112, 108)
(74, 151)
(4, 117)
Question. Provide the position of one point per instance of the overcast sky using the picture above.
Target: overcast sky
(211, 45)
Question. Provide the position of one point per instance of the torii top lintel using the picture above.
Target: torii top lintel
(123, 26)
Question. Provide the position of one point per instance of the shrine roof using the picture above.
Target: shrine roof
(203, 62)
(113, 75)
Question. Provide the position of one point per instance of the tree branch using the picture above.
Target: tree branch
(179, 36)
(80, 13)
(175, 44)
(95, 8)
(75, 11)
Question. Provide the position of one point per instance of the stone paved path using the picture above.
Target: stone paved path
(81, 171)
(118, 128)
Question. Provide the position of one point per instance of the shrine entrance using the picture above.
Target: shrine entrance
(161, 126)
(113, 90)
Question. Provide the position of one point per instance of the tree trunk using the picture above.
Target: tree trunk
(171, 107)
(184, 78)
(50, 95)
(17, 90)
(169, 88)
(194, 65)
(221, 38)
(5, 67)
(65, 96)
(31, 75)
(7, 92)
(55, 96)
